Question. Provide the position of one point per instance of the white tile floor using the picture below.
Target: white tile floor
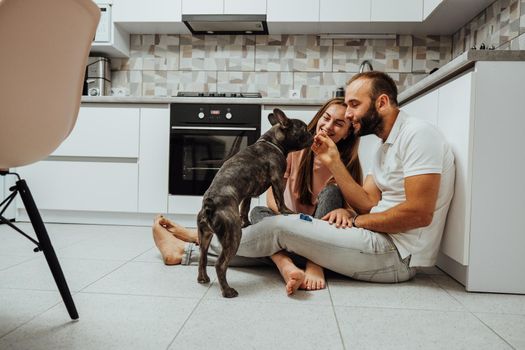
(127, 299)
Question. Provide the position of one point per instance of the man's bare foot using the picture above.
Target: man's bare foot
(169, 246)
(292, 275)
(177, 230)
(314, 277)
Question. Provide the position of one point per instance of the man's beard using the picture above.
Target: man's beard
(370, 123)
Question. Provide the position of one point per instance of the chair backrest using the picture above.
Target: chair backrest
(44, 46)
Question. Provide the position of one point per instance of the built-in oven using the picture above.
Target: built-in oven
(203, 137)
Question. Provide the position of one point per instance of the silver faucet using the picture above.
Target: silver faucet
(363, 64)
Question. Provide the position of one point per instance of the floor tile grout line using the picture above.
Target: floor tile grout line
(474, 315)
(20, 263)
(493, 331)
(335, 315)
(189, 316)
(115, 269)
(34, 317)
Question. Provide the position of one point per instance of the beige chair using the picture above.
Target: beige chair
(44, 46)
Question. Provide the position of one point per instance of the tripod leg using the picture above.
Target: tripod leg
(46, 247)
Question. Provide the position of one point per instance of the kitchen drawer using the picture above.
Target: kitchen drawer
(103, 132)
(92, 186)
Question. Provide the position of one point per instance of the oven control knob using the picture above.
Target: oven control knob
(201, 115)
(228, 115)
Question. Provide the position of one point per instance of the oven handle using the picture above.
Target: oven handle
(210, 128)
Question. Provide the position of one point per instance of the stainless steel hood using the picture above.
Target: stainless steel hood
(226, 24)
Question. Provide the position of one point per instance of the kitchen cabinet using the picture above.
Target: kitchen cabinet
(149, 17)
(293, 11)
(203, 7)
(110, 40)
(114, 161)
(344, 10)
(243, 7)
(429, 6)
(154, 159)
(103, 132)
(396, 11)
(425, 107)
(304, 113)
(479, 113)
(218, 7)
(83, 185)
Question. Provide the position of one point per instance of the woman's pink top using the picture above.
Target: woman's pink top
(321, 175)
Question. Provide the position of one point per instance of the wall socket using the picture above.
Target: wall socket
(294, 93)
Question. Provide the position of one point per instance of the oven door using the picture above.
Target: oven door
(197, 153)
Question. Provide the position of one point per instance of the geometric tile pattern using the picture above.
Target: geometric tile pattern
(302, 53)
(496, 26)
(388, 55)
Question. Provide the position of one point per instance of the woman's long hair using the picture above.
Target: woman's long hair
(347, 147)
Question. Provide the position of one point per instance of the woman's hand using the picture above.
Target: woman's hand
(341, 217)
(325, 149)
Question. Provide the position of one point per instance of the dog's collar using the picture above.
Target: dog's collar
(273, 145)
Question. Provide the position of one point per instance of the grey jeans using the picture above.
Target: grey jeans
(329, 198)
(354, 252)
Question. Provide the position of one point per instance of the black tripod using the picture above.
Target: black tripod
(43, 243)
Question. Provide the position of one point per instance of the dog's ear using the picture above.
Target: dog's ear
(278, 116)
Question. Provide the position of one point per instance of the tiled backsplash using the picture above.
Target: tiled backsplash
(162, 65)
(501, 25)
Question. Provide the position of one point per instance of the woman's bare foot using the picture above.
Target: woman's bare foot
(169, 246)
(177, 230)
(314, 277)
(292, 275)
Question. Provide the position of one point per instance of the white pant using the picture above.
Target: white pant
(355, 252)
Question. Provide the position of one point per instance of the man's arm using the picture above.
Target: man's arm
(416, 211)
(360, 198)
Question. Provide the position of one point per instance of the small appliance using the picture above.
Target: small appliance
(98, 77)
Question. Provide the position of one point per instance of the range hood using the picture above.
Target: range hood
(226, 24)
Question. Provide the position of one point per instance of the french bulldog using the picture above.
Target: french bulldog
(247, 174)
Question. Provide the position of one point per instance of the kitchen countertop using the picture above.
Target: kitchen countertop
(216, 100)
(458, 65)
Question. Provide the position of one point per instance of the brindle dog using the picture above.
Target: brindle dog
(245, 175)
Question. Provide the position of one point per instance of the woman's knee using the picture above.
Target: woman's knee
(258, 213)
(329, 198)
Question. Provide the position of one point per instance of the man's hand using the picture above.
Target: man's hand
(341, 217)
(325, 149)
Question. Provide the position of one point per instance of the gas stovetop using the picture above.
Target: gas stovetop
(219, 94)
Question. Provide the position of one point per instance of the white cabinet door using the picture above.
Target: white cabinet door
(90, 186)
(103, 132)
(202, 7)
(344, 10)
(456, 123)
(304, 113)
(293, 11)
(147, 11)
(243, 7)
(397, 11)
(424, 107)
(429, 6)
(154, 159)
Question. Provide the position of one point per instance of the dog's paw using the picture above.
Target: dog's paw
(229, 293)
(203, 279)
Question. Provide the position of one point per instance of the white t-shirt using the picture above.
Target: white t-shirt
(414, 147)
